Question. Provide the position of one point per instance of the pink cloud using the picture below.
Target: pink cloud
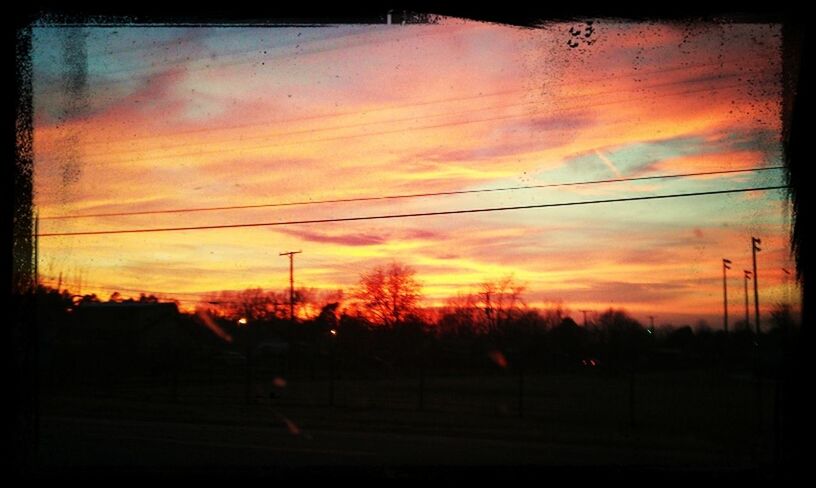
(342, 239)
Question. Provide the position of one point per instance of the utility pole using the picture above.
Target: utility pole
(747, 318)
(291, 255)
(726, 265)
(651, 321)
(754, 248)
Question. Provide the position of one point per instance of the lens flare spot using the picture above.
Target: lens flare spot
(291, 426)
(498, 358)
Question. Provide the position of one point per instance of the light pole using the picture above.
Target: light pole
(754, 248)
(747, 318)
(726, 265)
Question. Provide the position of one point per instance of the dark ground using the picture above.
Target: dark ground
(679, 421)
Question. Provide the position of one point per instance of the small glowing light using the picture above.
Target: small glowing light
(333, 332)
(69, 310)
(592, 362)
(649, 331)
(242, 321)
(279, 382)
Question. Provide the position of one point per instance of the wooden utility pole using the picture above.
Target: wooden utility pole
(291, 255)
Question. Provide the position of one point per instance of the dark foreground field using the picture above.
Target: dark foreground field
(679, 420)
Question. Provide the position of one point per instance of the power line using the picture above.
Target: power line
(411, 195)
(418, 214)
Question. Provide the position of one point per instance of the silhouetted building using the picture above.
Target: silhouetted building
(117, 341)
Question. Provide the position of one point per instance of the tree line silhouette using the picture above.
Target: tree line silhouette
(378, 328)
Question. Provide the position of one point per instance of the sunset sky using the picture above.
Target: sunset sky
(188, 117)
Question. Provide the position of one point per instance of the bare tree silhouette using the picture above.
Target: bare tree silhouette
(500, 300)
(252, 304)
(389, 293)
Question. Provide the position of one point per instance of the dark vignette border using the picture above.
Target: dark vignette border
(798, 409)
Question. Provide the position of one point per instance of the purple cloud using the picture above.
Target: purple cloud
(344, 239)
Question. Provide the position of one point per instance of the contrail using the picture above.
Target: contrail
(608, 163)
